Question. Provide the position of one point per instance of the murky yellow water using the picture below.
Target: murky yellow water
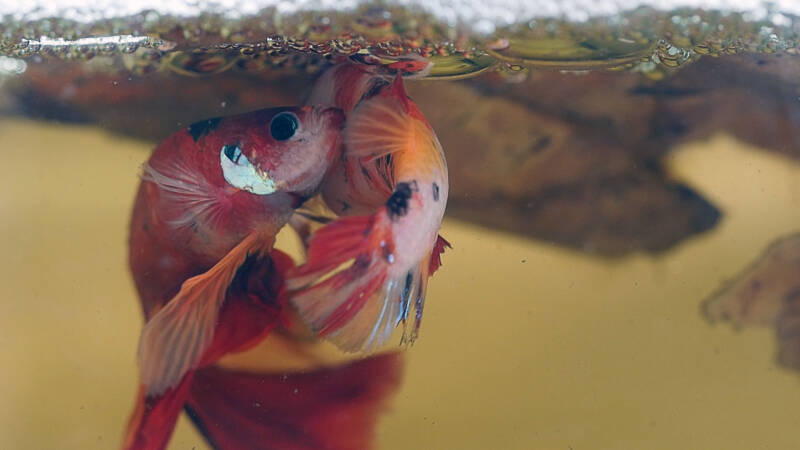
(525, 345)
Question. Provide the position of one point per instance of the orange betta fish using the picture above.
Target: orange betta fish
(391, 184)
(211, 201)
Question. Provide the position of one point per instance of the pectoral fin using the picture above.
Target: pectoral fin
(174, 340)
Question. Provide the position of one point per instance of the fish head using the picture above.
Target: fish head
(277, 151)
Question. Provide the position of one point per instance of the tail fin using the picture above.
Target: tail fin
(345, 307)
(359, 306)
(153, 420)
(326, 408)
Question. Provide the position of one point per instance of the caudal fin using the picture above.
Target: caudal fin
(346, 306)
(154, 417)
(348, 290)
(334, 408)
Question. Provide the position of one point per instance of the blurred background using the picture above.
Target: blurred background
(614, 175)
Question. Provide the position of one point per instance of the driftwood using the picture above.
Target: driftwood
(570, 158)
(766, 294)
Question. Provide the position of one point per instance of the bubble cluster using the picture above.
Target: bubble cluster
(643, 40)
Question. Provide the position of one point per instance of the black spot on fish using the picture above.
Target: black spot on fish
(398, 202)
(435, 192)
(345, 205)
(202, 128)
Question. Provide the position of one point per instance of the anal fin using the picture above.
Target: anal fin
(349, 305)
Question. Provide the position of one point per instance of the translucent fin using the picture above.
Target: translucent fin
(332, 245)
(374, 323)
(322, 408)
(379, 126)
(181, 186)
(419, 301)
(153, 419)
(175, 338)
(357, 306)
(361, 316)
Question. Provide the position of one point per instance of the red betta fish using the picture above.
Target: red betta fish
(210, 204)
(391, 184)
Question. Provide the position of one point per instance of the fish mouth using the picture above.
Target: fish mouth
(240, 173)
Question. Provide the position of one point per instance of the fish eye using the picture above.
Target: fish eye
(283, 126)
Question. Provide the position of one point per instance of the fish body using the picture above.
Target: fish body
(390, 186)
(211, 201)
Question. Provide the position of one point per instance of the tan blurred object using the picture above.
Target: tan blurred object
(766, 294)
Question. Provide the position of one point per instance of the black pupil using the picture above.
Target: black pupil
(283, 126)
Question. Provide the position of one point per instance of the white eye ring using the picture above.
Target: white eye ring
(241, 174)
